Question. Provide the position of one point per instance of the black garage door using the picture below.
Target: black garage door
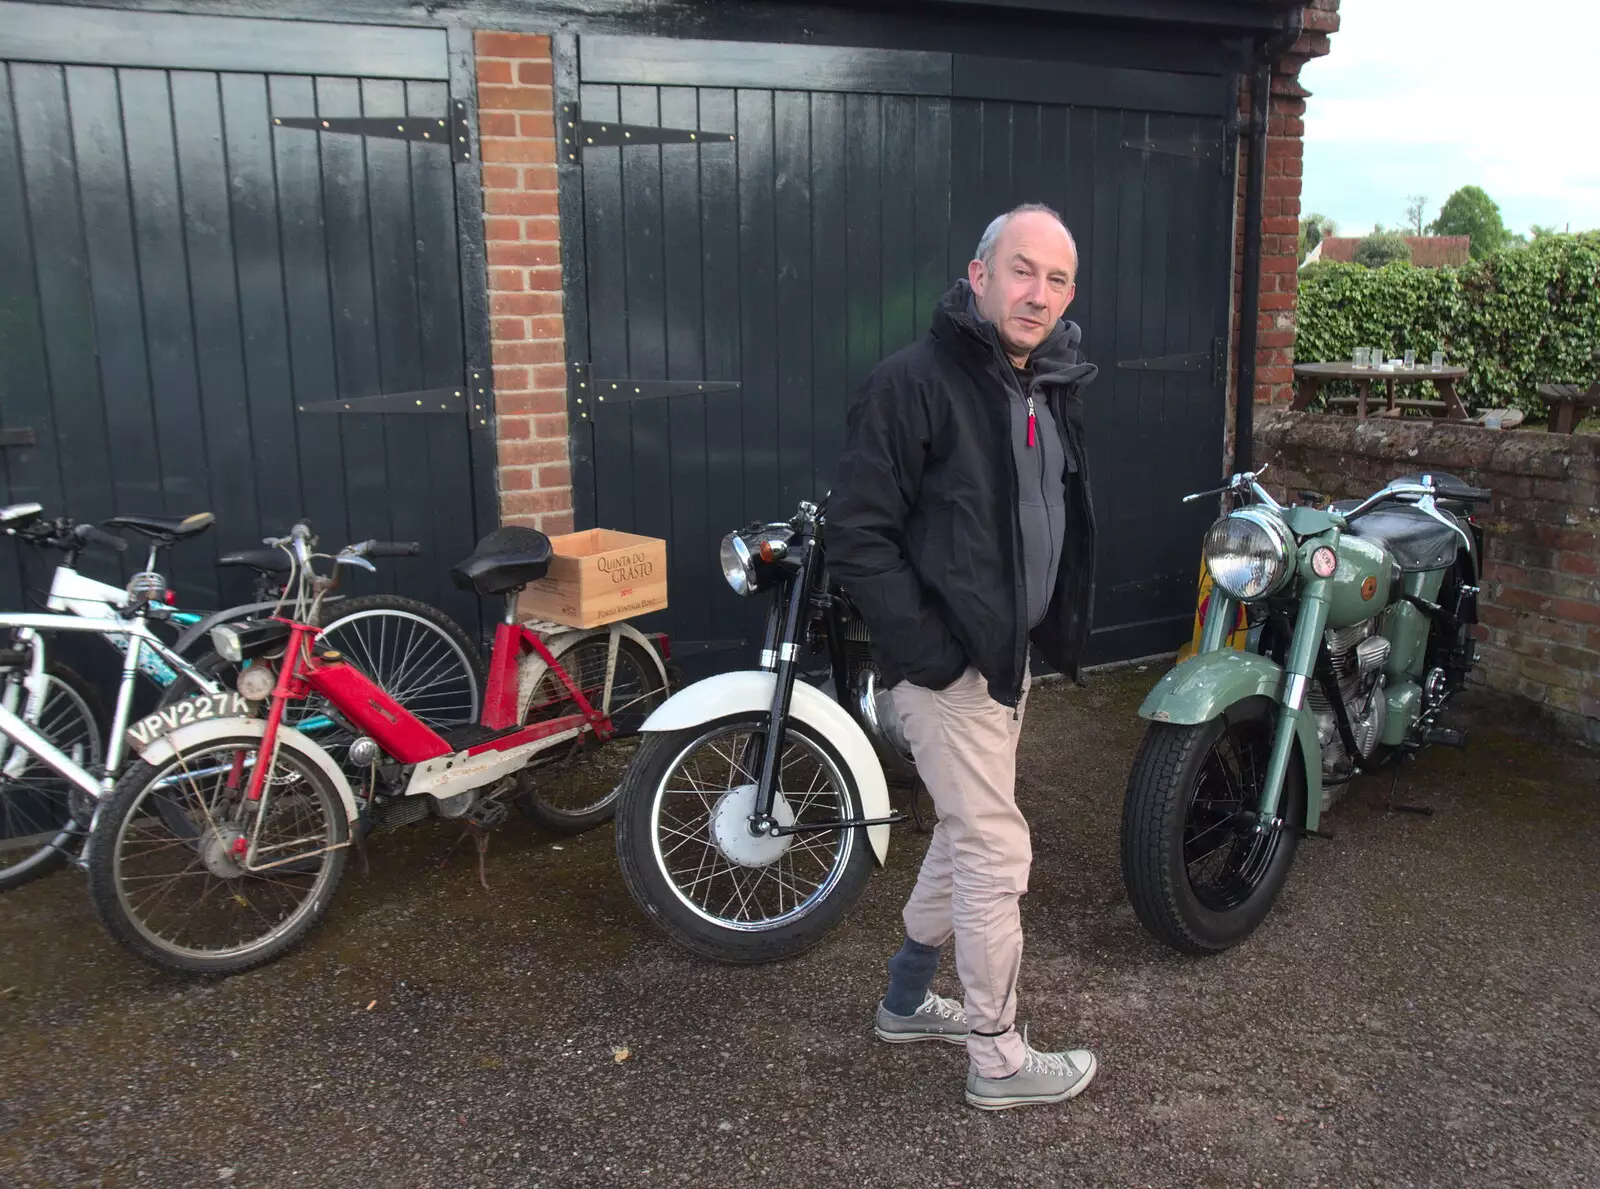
(759, 225)
(195, 287)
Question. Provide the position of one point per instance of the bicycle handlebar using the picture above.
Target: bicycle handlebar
(87, 534)
(391, 548)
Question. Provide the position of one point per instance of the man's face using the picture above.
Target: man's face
(1029, 284)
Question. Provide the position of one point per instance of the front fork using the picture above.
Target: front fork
(1302, 662)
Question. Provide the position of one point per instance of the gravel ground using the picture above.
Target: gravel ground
(1421, 1009)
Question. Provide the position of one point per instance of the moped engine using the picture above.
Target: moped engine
(1357, 655)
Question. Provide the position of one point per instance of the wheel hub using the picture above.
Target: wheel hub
(218, 851)
(730, 828)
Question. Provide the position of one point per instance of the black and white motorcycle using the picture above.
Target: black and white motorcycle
(748, 844)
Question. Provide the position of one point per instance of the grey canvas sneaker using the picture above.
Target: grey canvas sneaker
(1044, 1077)
(937, 1019)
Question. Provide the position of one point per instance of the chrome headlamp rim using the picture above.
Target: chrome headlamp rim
(744, 581)
(1282, 541)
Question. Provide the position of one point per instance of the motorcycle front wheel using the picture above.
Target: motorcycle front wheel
(692, 864)
(1200, 876)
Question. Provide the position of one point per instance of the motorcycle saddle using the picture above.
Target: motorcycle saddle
(508, 558)
(1413, 538)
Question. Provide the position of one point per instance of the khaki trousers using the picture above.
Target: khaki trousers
(976, 868)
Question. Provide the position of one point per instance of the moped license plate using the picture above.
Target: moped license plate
(199, 708)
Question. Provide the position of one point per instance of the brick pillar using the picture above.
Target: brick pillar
(517, 129)
(1280, 210)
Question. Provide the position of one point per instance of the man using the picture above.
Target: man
(960, 524)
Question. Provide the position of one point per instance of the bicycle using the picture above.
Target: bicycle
(60, 761)
(274, 816)
(416, 652)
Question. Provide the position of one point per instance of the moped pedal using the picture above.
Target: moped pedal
(1445, 737)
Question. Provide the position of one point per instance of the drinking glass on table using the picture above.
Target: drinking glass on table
(1358, 357)
(1438, 360)
(1411, 359)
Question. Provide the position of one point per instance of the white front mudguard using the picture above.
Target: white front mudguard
(746, 692)
(201, 733)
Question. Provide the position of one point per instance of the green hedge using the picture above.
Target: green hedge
(1515, 319)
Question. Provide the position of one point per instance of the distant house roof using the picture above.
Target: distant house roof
(1427, 251)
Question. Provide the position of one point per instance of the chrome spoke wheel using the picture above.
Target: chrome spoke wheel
(703, 846)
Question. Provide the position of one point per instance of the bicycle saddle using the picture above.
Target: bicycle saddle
(505, 560)
(165, 528)
(267, 561)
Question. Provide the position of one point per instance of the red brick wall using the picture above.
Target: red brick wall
(516, 124)
(1280, 211)
(1539, 609)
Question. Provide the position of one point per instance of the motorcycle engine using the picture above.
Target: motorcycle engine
(1358, 654)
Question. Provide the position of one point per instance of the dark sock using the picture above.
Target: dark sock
(910, 974)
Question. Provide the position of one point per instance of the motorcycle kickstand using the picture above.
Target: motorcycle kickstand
(1409, 757)
(480, 841)
(489, 812)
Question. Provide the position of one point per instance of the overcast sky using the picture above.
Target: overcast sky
(1425, 96)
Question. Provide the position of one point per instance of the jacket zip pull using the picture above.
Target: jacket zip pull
(1032, 425)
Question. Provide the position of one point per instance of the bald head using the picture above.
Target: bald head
(1024, 277)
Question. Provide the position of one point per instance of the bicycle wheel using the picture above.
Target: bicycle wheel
(421, 658)
(248, 888)
(36, 818)
(569, 799)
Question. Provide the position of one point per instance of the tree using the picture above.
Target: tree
(1382, 248)
(1471, 212)
(1415, 204)
(1314, 228)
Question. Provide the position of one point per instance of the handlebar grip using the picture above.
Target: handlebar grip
(393, 548)
(89, 534)
(1481, 495)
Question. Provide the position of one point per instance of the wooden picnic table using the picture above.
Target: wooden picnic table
(1310, 377)
(1571, 403)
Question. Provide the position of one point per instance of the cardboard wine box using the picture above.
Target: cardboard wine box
(599, 576)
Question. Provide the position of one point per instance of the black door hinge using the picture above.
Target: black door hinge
(1192, 362)
(589, 392)
(578, 134)
(453, 131)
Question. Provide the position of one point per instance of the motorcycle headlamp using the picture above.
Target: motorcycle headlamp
(749, 557)
(1250, 554)
(738, 565)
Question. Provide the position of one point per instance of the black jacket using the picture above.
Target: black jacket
(922, 524)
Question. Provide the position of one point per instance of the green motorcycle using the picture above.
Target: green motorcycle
(1359, 630)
